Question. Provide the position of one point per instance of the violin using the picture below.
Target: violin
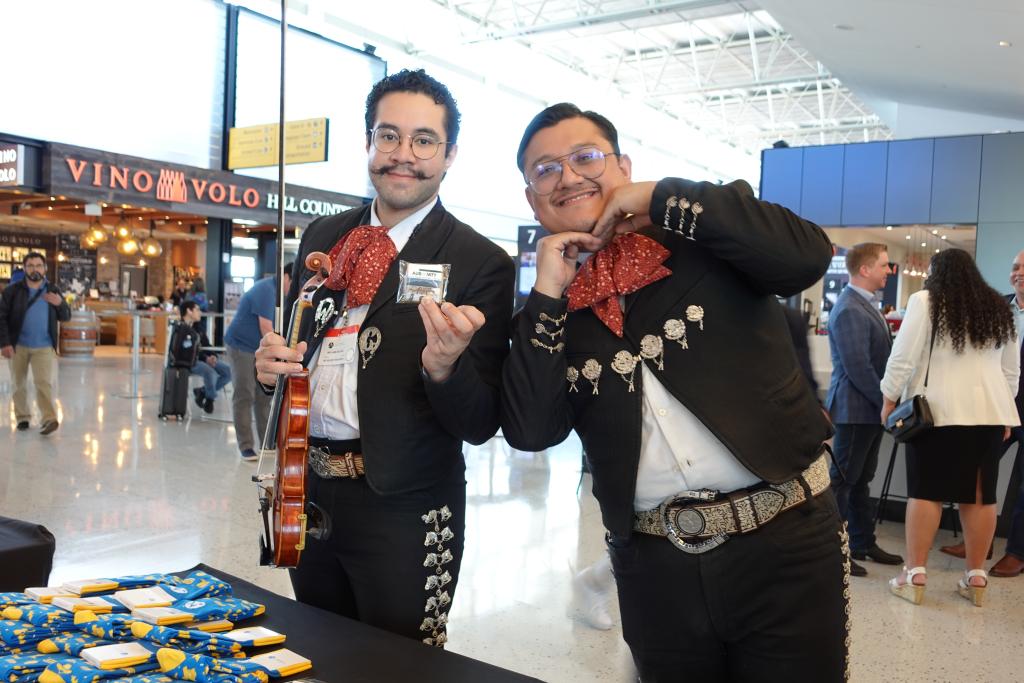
(284, 497)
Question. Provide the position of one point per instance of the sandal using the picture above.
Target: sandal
(976, 594)
(908, 590)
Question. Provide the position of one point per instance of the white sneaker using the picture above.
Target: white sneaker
(595, 589)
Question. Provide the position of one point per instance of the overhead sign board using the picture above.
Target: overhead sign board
(305, 142)
(12, 165)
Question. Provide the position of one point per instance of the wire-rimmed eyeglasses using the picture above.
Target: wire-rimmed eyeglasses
(424, 145)
(587, 162)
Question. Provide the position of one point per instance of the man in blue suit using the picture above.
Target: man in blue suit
(860, 342)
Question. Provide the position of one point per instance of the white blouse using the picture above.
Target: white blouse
(975, 387)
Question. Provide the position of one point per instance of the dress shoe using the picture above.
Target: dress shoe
(960, 550)
(49, 427)
(1009, 566)
(23, 425)
(857, 570)
(876, 554)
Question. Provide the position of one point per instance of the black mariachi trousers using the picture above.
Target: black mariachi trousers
(771, 605)
(391, 561)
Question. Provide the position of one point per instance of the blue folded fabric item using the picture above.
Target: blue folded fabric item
(72, 643)
(13, 600)
(39, 614)
(81, 671)
(186, 640)
(21, 633)
(203, 669)
(112, 627)
(210, 609)
(197, 584)
(14, 667)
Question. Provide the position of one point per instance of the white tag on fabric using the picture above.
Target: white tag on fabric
(339, 346)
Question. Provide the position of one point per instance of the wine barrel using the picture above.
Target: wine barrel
(78, 335)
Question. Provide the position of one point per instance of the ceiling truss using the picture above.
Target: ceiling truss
(722, 68)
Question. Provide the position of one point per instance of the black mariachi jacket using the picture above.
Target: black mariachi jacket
(14, 306)
(738, 373)
(412, 429)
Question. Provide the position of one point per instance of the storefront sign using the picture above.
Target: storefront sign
(118, 179)
(12, 165)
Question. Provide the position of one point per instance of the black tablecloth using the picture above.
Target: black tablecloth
(26, 555)
(347, 651)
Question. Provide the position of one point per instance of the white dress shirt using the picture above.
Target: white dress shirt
(678, 453)
(333, 409)
(975, 387)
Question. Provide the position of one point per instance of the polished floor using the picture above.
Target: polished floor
(126, 493)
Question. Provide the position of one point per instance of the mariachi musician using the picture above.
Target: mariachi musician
(396, 383)
(667, 352)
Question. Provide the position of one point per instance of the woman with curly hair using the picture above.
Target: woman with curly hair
(958, 338)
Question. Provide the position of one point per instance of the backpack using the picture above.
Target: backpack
(184, 346)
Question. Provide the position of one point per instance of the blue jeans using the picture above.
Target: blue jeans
(855, 459)
(214, 376)
(1015, 539)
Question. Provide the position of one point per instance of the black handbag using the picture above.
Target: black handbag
(913, 417)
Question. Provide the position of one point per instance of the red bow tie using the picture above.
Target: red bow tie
(628, 263)
(360, 260)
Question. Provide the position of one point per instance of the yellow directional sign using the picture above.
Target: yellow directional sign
(253, 146)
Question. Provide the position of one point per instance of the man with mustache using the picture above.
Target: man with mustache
(668, 354)
(396, 386)
(29, 312)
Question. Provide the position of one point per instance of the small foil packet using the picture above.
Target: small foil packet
(417, 280)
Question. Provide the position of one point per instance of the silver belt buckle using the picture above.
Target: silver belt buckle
(688, 522)
(319, 460)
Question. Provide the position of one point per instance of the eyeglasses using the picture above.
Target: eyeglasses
(424, 145)
(588, 162)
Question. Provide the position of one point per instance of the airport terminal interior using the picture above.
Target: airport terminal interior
(131, 176)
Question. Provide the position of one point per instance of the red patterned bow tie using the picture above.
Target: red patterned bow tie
(360, 260)
(628, 263)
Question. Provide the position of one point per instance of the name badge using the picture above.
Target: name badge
(339, 346)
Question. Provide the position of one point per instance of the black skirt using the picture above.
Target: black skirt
(943, 463)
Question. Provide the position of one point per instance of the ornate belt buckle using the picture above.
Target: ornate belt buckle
(686, 522)
(319, 460)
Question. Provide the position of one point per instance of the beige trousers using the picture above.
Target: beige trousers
(42, 361)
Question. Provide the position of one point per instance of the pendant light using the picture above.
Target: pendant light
(96, 233)
(128, 247)
(123, 230)
(151, 248)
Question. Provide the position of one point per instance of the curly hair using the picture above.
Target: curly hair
(416, 82)
(963, 306)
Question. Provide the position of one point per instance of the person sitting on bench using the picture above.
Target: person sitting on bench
(214, 373)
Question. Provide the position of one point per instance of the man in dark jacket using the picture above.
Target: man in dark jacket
(396, 385)
(860, 341)
(29, 312)
(667, 353)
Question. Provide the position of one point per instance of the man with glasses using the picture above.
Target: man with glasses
(859, 342)
(396, 386)
(29, 312)
(668, 354)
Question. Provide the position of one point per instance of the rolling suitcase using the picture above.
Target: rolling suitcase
(174, 396)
